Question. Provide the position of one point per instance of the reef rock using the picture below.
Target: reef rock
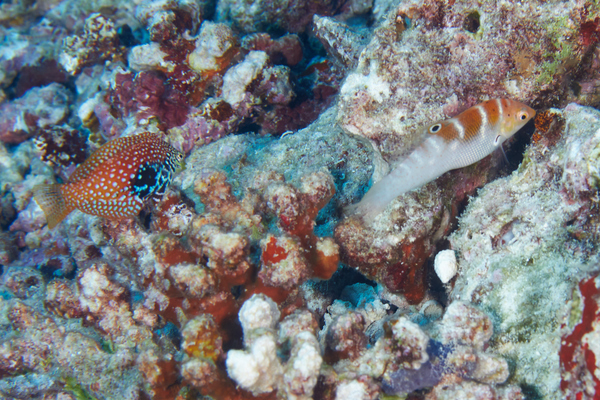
(38, 108)
(527, 240)
(429, 60)
(291, 15)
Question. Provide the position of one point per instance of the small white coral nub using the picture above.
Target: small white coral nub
(259, 312)
(445, 265)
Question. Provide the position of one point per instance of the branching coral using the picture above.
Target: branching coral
(258, 367)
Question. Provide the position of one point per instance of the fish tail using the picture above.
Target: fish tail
(366, 209)
(374, 202)
(51, 200)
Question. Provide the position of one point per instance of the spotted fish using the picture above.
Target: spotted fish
(113, 182)
(450, 144)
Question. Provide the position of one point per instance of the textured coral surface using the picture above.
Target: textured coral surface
(246, 279)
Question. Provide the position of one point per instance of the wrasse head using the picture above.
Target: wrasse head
(515, 115)
(496, 120)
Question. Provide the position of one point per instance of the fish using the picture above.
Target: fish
(115, 181)
(450, 144)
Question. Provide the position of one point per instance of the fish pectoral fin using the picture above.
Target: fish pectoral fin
(52, 202)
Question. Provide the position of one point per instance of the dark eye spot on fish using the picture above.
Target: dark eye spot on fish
(150, 179)
(435, 128)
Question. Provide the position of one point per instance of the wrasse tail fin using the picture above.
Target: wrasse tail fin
(52, 202)
(375, 201)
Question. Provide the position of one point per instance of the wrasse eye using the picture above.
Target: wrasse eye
(522, 115)
(435, 128)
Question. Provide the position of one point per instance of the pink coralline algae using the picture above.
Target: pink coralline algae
(146, 95)
(211, 121)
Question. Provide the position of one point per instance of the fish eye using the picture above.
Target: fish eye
(523, 115)
(435, 128)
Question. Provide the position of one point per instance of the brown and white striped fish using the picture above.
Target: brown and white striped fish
(450, 144)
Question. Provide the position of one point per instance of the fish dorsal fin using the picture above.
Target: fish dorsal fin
(106, 152)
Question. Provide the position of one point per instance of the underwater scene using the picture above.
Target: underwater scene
(300, 199)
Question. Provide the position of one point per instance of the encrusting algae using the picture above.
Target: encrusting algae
(113, 182)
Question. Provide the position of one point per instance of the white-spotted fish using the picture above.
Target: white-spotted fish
(113, 182)
(450, 144)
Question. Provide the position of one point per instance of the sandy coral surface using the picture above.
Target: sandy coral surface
(245, 278)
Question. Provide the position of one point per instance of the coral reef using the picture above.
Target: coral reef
(291, 16)
(532, 245)
(245, 280)
(395, 249)
(28, 58)
(377, 101)
(257, 368)
(98, 43)
(404, 358)
(43, 345)
(339, 40)
(578, 350)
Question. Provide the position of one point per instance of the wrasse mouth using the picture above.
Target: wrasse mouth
(514, 148)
